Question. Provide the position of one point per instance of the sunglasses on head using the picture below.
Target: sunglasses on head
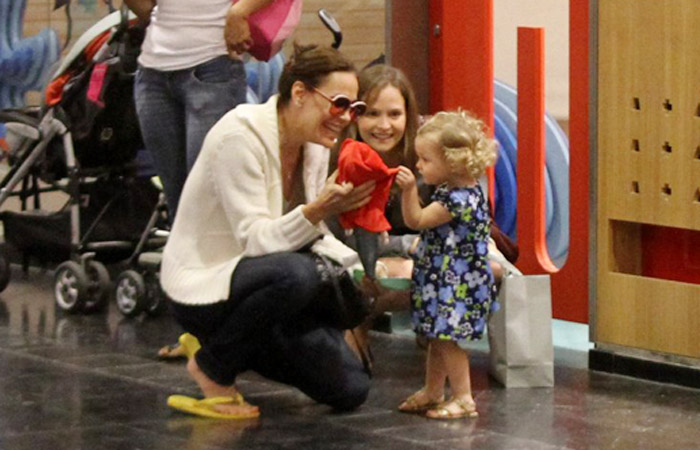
(341, 103)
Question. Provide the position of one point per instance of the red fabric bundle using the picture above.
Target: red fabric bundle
(359, 163)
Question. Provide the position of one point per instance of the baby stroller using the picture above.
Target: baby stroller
(83, 142)
(137, 287)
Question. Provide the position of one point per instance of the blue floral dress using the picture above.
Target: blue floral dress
(453, 288)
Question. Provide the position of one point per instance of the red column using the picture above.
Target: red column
(461, 59)
(570, 284)
(532, 240)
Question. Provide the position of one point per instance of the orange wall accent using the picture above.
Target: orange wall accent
(461, 56)
(532, 241)
(461, 60)
(570, 284)
(570, 294)
(461, 75)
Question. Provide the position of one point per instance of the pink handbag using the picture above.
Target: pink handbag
(270, 26)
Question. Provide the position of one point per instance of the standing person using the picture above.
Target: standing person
(190, 74)
(452, 285)
(233, 265)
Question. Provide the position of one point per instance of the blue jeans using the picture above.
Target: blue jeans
(177, 108)
(269, 325)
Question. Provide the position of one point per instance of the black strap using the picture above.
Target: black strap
(365, 354)
(336, 286)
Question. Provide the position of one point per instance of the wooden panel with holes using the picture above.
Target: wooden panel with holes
(648, 175)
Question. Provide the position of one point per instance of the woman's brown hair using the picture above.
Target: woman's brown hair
(310, 64)
(375, 78)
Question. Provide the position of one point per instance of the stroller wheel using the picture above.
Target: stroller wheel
(70, 286)
(98, 290)
(4, 269)
(130, 293)
(159, 301)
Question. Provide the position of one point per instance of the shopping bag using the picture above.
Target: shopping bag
(520, 333)
(270, 26)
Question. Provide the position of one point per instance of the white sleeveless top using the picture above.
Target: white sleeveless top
(184, 33)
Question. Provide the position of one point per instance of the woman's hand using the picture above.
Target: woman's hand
(405, 178)
(337, 198)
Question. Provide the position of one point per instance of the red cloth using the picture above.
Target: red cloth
(359, 163)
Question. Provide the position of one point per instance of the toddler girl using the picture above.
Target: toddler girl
(453, 287)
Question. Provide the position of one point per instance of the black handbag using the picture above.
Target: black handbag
(342, 304)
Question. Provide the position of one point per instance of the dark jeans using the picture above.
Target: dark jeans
(177, 108)
(269, 326)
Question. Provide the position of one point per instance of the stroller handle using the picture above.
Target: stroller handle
(330, 23)
(121, 27)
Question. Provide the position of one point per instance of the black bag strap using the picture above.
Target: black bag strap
(365, 355)
(334, 282)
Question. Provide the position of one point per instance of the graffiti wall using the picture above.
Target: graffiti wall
(33, 36)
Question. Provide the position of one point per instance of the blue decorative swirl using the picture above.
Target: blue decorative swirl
(24, 62)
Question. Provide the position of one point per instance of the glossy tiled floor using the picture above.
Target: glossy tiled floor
(92, 382)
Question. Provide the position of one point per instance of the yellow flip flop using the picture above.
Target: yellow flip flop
(190, 344)
(205, 407)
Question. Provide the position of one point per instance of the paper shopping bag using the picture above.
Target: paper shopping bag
(520, 333)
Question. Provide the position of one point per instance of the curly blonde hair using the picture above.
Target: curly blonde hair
(464, 141)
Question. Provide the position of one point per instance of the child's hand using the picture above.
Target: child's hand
(405, 178)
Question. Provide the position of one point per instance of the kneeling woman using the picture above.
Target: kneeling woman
(256, 196)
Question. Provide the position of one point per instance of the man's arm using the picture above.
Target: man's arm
(142, 8)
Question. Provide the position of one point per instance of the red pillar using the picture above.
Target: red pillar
(570, 284)
(461, 56)
(534, 257)
(461, 59)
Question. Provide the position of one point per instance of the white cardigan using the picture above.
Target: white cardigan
(232, 206)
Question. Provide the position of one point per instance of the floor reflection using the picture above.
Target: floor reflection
(94, 382)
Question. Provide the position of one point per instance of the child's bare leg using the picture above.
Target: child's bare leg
(457, 366)
(456, 363)
(212, 389)
(435, 371)
(434, 390)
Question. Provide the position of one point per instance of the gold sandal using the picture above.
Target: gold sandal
(412, 406)
(441, 412)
